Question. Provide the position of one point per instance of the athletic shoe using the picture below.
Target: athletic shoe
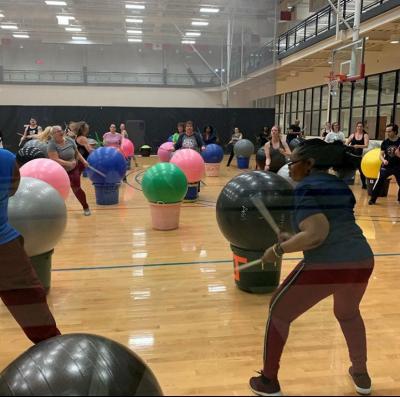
(263, 386)
(364, 187)
(87, 212)
(362, 382)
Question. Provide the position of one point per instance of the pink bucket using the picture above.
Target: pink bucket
(212, 169)
(165, 216)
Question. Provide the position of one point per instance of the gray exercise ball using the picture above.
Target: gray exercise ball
(79, 365)
(42, 146)
(243, 148)
(39, 213)
(284, 173)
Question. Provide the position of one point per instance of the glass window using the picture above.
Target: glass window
(288, 120)
(355, 118)
(398, 84)
(308, 99)
(346, 95)
(300, 99)
(334, 115)
(325, 97)
(300, 116)
(316, 98)
(388, 85)
(345, 121)
(277, 102)
(358, 96)
(397, 115)
(372, 90)
(386, 115)
(315, 124)
(282, 103)
(370, 120)
(335, 99)
(324, 114)
(288, 96)
(294, 103)
(277, 117)
(307, 123)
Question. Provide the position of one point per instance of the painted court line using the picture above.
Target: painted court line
(178, 264)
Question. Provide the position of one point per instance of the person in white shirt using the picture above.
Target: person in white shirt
(335, 134)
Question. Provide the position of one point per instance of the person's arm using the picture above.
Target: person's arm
(200, 142)
(179, 142)
(16, 178)
(328, 137)
(82, 140)
(349, 139)
(105, 139)
(286, 150)
(79, 157)
(55, 157)
(267, 156)
(342, 137)
(382, 158)
(313, 232)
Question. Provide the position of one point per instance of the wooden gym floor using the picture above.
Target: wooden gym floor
(170, 297)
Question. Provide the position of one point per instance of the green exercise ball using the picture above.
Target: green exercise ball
(164, 183)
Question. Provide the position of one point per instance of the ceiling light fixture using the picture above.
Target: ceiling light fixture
(21, 36)
(200, 23)
(394, 41)
(9, 27)
(135, 6)
(55, 3)
(1, 15)
(79, 38)
(64, 19)
(135, 40)
(192, 34)
(188, 42)
(73, 29)
(134, 20)
(209, 10)
(134, 31)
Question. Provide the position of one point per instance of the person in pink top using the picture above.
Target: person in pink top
(112, 138)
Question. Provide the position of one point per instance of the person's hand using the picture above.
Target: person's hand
(72, 164)
(203, 148)
(283, 236)
(266, 168)
(385, 162)
(269, 256)
(85, 164)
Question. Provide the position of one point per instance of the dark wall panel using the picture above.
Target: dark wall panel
(159, 122)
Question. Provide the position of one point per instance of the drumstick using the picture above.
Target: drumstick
(97, 171)
(257, 201)
(250, 264)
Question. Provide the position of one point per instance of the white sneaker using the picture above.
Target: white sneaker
(87, 212)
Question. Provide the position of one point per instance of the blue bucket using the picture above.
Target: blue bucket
(243, 163)
(106, 194)
(192, 192)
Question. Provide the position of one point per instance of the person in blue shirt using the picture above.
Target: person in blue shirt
(338, 262)
(20, 288)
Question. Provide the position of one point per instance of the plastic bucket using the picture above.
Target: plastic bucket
(165, 216)
(192, 192)
(243, 162)
(42, 265)
(106, 194)
(212, 169)
(255, 279)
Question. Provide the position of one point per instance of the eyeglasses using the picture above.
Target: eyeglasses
(290, 163)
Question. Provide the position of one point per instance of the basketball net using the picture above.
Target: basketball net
(333, 82)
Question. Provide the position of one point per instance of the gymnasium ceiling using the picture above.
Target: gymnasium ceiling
(104, 21)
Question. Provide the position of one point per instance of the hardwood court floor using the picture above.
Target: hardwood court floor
(170, 296)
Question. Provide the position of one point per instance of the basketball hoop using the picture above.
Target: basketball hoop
(333, 82)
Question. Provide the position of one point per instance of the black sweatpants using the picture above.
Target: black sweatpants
(385, 173)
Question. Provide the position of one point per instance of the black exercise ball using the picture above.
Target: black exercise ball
(28, 153)
(240, 222)
(295, 142)
(78, 365)
(260, 158)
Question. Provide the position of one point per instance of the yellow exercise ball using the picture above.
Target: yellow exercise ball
(371, 163)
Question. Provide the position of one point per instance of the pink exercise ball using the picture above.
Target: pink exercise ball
(50, 172)
(191, 163)
(127, 148)
(165, 152)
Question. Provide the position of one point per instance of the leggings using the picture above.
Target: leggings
(383, 175)
(75, 179)
(231, 156)
(307, 285)
(23, 294)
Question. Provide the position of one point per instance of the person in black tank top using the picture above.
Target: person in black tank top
(359, 141)
(31, 131)
(276, 151)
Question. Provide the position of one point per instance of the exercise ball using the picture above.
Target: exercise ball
(240, 221)
(191, 163)
(243, 148)
(78, 365)
(294, 143)
(165, 152)
(108, 161)
(164, 183)
(213, 154)
(284, 173)
(260, 158)
(42, 146)
(50, 172)
(127, 148)
(39, 213)
(371, 163)
(27, 154)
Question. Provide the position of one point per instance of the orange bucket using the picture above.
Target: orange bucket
(165, 216)
(212, 169)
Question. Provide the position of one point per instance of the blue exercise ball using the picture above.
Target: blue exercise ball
(108, 161)
(213, 154)
(78, 365)
(244, 148)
